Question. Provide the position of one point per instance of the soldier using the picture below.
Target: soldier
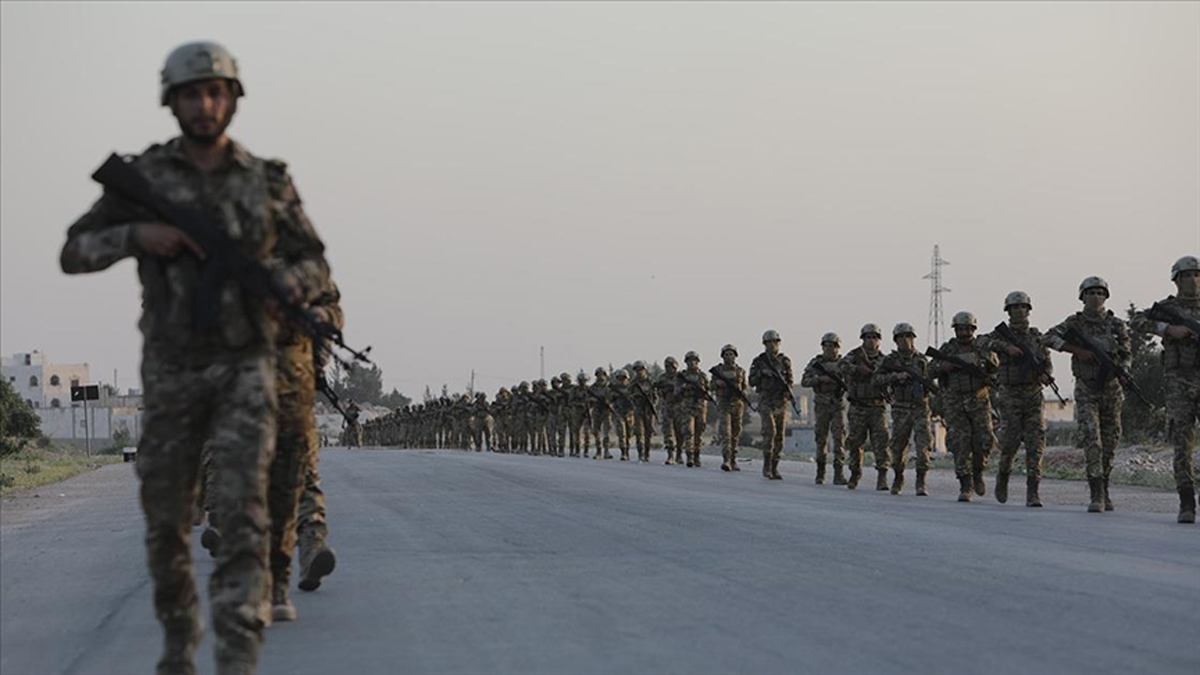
(1098, 394)
(821, 375)
(667, 389)
(522, 424)
(967, 407)
(905, 372)
(692, 406)
(579, 420)
(868, 414)
(1181, 372)
(642, 392)
(503, 417)
(1019, 395)
(622, 411)
(353, 430)
(482, 423)
(771, 377)
(729, 383)
(208, 377)
(601, 411)
(563, 406)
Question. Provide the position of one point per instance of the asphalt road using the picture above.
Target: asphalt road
(453, 562)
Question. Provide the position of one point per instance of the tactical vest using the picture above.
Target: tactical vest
(862, 387)
(1015, 371)
(963, 381)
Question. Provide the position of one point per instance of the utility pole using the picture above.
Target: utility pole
(936, 325)
(542, 353)
(471, 389)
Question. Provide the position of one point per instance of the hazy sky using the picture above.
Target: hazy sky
(623, 180)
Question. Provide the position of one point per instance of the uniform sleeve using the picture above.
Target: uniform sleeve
(1144, 324)
(810, 377)
(100, 238)
(756, 372)
(298, 249)
(786, 370)
(1054, 337)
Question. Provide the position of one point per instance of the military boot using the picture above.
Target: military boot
(775, 475)
(1031, 492)
(855, 474)
(696, 459)
(977, 481)
(182, 636)
(898, 481)
(210, 539)
(624, 455)
(839, 474)
(766, 465)
(733, 465)
(1108, 505)
(670, 457)
(316, 560)
(964, 488)
(1002, 487)
(725, 460)
(820, 473)
(690, 463)
(921, 491)
(1096, 486)
(282, 608)
(881, 481)
(1187, 505)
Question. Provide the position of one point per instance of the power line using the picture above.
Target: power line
(937, 323)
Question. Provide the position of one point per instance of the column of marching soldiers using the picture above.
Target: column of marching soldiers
(961, 380)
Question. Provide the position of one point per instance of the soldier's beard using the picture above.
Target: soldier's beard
(1093, 304)
(207, 138)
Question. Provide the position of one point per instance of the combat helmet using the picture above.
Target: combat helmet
(565, 378)
(670, 361)
(771, 336)
(600, 372)
(903, 328)
(621, 374)
(581, 378)
(691, 356)
(964, 319)
(729, 348)
(639, 365)
(1187, 263)
(195, 61)
(1018, 298)
(831, 337)
(1093, 282)
(870, 329)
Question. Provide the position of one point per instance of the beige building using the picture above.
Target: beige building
(41, 382)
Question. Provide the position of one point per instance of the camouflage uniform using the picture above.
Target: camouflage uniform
(353, 435)
(483, 424)
(691, 408)
(577, 415)
(1098, 402)
(867, 417)
(622, 411)
(206, 384)
(667, 388)
(910, 414)
(829, 404)
(967, 411)
(644, 397)
(730, 407)
(1181, 377)
(1022, 407)
(600, 406)
(766, 372)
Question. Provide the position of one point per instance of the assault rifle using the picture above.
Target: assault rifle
(679, 376)
(1168, 314)
(938, 355)
(1108, 367)
(325, 388)
(646, 396)
(833, 374)
(223, 258)
(600, 398)
(787, 388)
(1030, 358)
(918, 379)
(737, 391)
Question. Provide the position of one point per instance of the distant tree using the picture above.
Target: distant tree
(362, 384)
(394, 400)
(18, 423)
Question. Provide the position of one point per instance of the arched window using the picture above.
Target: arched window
(54, 403)
(74, 381)
(54, 381)
(33, 381)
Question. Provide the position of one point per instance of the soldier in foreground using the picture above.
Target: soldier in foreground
(868, 412)
(771, 377)
(1176, 319)
(692, 407)
(622, 418)
(965, 373)
(667, 389)
(1020, 396)
(729, 383)
(353, 431)
(207, 377)
(905, 373)
(601, 411)
(1090, 337)
(829, 404)
(642, 392)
